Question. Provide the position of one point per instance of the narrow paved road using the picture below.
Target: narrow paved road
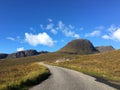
(65, 79)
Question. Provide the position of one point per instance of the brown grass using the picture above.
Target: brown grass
(14, 71)
(105, 65)
(18, 76)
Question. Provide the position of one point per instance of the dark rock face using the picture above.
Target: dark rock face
(30, 52)
(3, 55)
(104, 48)
(17, 54)
(42, 52)
(23, 54)
(79, 46)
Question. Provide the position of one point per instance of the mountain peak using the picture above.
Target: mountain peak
(104, 48)
(79, 46)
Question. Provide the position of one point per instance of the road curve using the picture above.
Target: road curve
(66, 79)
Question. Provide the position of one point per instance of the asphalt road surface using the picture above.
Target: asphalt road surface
(66, 79)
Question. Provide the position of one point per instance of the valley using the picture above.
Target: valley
(104, 66)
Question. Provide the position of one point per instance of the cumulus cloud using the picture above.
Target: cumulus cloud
(20, 49)
(81, 28)
(114, 33)
(105, 37)
(94, 33)
(39, 39)
(53, 31)
(50, 20)
(60, 25)
(66, 30)
(50, 26)
(11, 38)
(41, 26)
(112, 28)
(71, 26)
(77, 36)
(70, 33)
(100, 28)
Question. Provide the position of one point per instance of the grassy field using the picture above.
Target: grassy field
(19, 74)
(103, 65)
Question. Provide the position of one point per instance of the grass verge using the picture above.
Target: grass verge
(104, 66)
(20, 77)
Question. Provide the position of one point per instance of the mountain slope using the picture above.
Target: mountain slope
(104, 48)
(79, 46)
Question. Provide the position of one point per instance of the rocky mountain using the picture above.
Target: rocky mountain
(21, 54)
(79, 46)
(104, 48)
(3, 55)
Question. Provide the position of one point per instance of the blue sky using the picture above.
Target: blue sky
(50, 24)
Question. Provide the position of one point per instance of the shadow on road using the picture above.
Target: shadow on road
(115, 85)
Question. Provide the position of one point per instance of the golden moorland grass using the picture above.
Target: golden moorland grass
(17, 77)
(103, 65)
(16, 71)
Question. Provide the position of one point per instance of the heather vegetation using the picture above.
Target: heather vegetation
(19, 74)
(103, 65)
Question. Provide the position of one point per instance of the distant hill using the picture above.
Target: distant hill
(79, 46)
(21, 54)
(104, 48)
(2, 55)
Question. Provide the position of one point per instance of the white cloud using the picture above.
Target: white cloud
(39, 39)
(32, 29)
(53, 31)
(67, 30)
(50, 20)
(94, 33)
(69, 33)
(76, 36)
(112, 28)
(100, 28)
(114, 33)
(60, 25)
(71, 27)
(105, 37)
(49, 26)
(81, 28)
(11, 38)
(41, 26)
(20, 49)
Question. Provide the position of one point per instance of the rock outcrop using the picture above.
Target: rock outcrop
(79, 46)
(25, 53)
(2, 56)
(104, 48)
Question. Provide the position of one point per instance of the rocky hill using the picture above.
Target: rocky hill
(3, 55)
(104, 48)
(21, 54)
(79, 46)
